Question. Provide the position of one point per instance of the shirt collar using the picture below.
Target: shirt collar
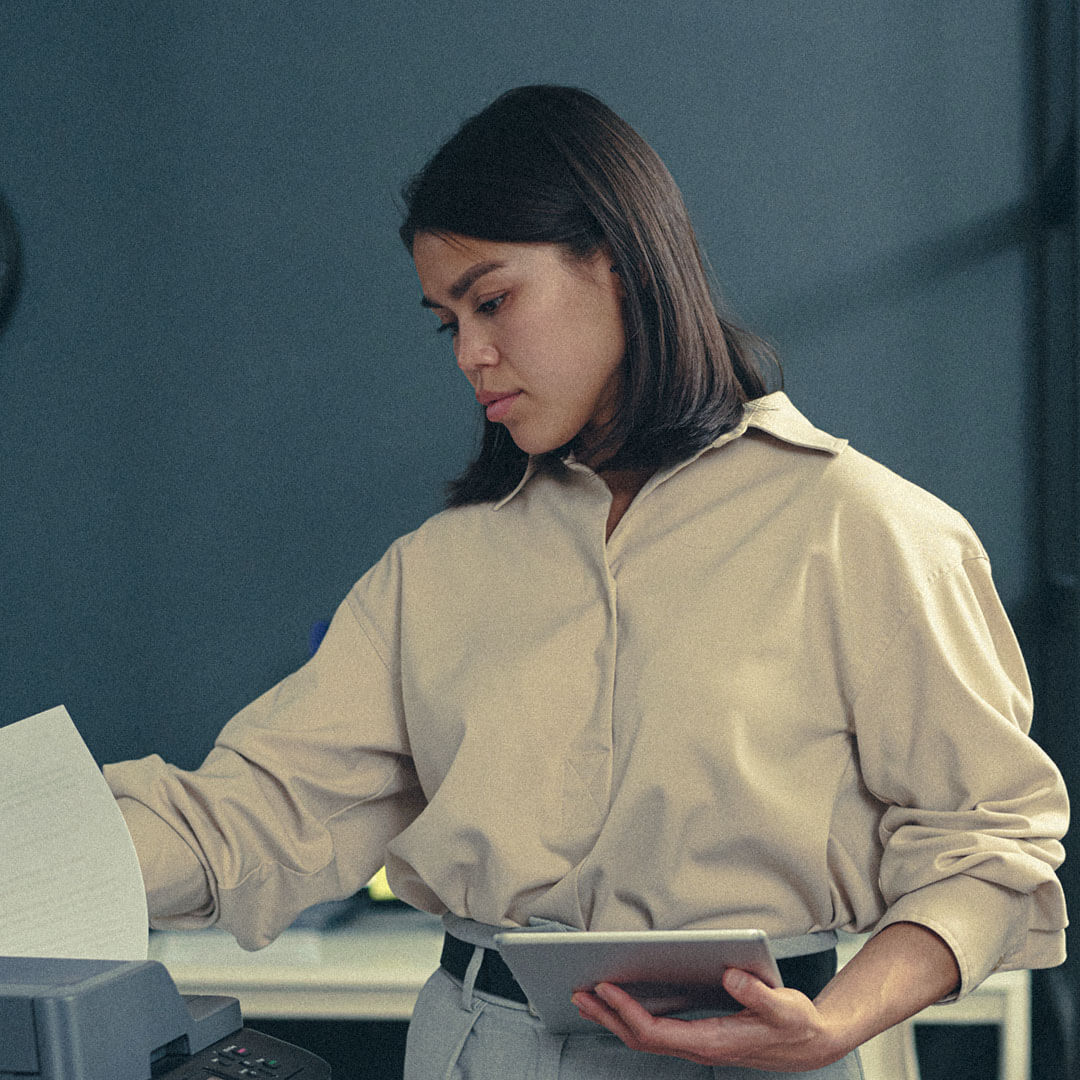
(526, 476)
(773, 414)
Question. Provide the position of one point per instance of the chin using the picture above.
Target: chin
(532, 444)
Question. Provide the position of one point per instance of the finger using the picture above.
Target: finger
(615, 1009)
(625, 1017)
(752, 993)
(622, 1001)
(772, 1019)
(592, 1007)
(779, 1008)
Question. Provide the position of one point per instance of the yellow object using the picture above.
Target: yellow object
(378, 888)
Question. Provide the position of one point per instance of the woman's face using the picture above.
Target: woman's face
(538, 334)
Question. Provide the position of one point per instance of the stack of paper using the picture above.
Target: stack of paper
(70, 883)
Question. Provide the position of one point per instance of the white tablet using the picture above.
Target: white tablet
(666, 970)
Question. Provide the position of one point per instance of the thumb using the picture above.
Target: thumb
(748, 990)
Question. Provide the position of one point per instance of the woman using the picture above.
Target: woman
(673, 658)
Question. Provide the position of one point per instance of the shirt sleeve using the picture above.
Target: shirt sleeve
(974, 810)
(294, 804)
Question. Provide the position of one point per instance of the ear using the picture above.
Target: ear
(612, 268)
(635, 273)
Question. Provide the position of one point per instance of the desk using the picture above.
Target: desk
(373, 968)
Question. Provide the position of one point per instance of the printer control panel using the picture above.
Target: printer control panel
(245, 1055)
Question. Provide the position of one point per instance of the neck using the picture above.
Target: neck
(624, 485)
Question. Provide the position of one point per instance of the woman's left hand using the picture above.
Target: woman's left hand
(777, 1030)
(900, 970)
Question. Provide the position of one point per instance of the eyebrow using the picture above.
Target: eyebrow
(465, 282)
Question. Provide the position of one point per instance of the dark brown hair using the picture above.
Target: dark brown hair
(552, 164)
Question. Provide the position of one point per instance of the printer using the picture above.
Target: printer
(65, 1019)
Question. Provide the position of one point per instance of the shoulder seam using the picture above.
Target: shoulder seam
(362, 622)
(874, 663)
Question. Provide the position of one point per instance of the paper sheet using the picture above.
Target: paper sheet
(70, 883)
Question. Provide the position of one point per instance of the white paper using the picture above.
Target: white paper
(70, 883)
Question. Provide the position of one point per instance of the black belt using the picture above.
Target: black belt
(808, 973)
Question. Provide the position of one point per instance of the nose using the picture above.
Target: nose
(474, 351)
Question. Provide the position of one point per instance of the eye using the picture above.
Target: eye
(489, 307)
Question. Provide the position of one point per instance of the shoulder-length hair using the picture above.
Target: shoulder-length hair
(552, 164)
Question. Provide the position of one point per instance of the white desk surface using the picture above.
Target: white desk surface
(371, 969)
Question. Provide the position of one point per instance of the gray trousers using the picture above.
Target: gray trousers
(460, 1033)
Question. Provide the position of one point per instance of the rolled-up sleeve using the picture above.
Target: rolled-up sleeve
(974, 810)
(294, 804)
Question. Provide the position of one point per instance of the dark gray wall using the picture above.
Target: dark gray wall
(219, 399)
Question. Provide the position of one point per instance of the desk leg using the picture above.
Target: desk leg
(1014, 1053)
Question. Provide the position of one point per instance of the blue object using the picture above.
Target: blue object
(316, 634)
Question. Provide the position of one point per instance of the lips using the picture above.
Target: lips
(497, 405)
(489, 397)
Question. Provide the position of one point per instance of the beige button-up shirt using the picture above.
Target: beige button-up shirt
(783, 694)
